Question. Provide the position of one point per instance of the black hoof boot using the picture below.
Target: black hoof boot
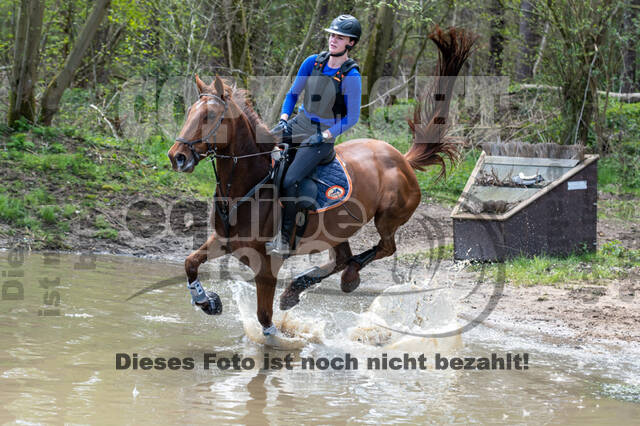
(213, 304)
(290, 298)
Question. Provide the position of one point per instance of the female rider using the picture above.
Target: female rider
(331, 105)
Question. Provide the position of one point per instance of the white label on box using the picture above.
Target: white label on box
(576, 184)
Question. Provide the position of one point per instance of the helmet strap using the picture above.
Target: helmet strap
(341, 53)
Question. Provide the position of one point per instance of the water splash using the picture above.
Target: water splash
(401, 309)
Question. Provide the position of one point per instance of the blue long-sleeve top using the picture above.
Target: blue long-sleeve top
(351, 89)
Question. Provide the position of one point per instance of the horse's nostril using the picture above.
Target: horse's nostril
(180, 159)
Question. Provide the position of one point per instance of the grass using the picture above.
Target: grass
(84, 171)
(440, 252)
(621, 209)
(105, 230)
(611, 261)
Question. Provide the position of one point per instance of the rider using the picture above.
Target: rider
(331, 105)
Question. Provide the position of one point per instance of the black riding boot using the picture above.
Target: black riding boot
(281, 244)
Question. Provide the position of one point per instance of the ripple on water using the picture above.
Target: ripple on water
(175, 319)
(621, 391)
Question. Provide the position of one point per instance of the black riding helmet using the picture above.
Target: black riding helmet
(346, 25)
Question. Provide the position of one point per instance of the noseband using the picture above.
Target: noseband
(211, 147)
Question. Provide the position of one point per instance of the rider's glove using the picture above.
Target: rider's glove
(316, 139)
(282, 126)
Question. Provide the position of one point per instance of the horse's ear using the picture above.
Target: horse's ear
(200, 84)
(219, 86)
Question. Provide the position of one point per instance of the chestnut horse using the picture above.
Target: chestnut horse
(223, 125)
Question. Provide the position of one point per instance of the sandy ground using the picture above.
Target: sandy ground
(579, 312)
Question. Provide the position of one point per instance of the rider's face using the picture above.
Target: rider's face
(338, 43)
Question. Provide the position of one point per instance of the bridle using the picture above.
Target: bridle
(211, 147)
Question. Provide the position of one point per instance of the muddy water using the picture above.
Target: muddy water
(60, 338)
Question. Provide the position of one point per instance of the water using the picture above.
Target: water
(62, 368)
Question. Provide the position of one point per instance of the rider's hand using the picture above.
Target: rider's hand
(280, 127)
(316, 139)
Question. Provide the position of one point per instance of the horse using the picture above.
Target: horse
(223, 126)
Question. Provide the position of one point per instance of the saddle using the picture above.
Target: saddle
(311, 188)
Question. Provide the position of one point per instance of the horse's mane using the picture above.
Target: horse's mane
(263, 138)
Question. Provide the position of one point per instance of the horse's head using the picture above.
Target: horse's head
(197, 138)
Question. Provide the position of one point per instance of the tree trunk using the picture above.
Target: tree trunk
(379, 43)
(540, 54)
(629, 83)
(496, 39)
(398, 59)
(414, 68)
(24, 75)
(62, 80)
(240, 55)
(529, 39)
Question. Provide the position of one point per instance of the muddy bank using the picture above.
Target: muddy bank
(579, 311)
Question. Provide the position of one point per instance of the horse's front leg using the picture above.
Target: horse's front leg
(208, 301)
(266, 289)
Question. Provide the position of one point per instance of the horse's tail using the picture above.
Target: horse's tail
(429, 126)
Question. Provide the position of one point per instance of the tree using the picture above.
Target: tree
(496, 39)
(22, 102)
(580, 54)
(629, 83)
(54, 91)
(529, 39)
(379, 42)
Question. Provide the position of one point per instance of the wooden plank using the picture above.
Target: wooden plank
(531, 161)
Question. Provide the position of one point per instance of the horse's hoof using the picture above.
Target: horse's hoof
(289, 299)
(350, 286)
(350, 279)
(269, 331)
(213, 304)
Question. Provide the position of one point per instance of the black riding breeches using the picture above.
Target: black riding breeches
(307, 157)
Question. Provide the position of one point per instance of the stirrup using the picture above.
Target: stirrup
(278, 246)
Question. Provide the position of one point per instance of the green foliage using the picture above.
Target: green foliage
(105, 231)
(101, 222)
(37, 197)
(49, 214)
(18, 141)
(68, 211)
(449, 189)
(11, 209)
(624, 121)
(106, 234)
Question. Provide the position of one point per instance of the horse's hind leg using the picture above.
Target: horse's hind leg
(208, 301)
(340, 255)
(386, 224)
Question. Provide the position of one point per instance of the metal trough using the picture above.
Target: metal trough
(497, 219)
